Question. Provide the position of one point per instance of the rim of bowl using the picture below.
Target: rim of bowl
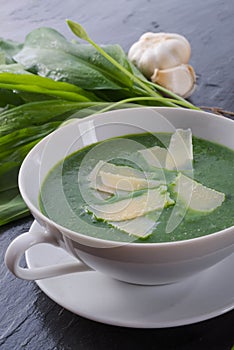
(82, 237)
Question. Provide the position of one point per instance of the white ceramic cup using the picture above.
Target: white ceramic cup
(140, 263)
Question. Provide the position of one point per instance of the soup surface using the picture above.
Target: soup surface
(65, 191)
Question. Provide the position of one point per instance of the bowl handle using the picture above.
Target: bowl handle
(25, 241)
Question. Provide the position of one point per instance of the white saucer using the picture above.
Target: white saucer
(99, 298)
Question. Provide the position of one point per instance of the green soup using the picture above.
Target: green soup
(63, 190)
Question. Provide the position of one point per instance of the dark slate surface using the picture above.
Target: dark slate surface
(29, 319)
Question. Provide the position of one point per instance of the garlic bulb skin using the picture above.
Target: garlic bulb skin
(159, 51)
(180, 79)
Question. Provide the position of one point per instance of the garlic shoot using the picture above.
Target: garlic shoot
(163, 58)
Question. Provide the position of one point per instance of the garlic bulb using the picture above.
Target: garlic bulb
(158, 56)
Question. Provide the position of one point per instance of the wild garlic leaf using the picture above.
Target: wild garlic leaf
(9, 158)
(9, 48)
(35, 113)
(47, 53)
(22, 136)
(8, 97)
(12, 206)
(42, 85)
(15, 68)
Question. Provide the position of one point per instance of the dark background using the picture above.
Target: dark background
(28, 318)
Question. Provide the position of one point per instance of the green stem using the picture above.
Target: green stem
(166, 102)
(79, 31)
